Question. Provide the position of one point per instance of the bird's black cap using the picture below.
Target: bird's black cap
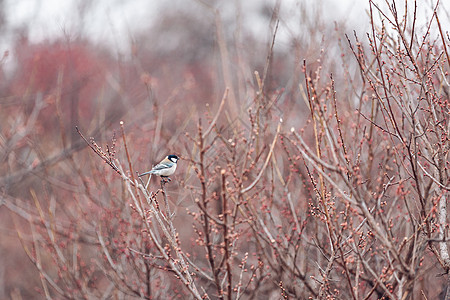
(173, 158)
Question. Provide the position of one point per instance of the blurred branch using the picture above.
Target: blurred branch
(219, 111)
(251, 185)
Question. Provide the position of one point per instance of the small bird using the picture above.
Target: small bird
(165, 168)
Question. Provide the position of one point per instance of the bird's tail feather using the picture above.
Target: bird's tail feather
(149, 172)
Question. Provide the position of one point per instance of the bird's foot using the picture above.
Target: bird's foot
(165, 180)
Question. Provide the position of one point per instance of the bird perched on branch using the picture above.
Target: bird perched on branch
(165, 168)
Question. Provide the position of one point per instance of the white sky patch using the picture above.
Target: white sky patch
(114, 22)
(102, 20)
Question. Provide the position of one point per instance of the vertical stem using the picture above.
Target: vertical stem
(166, 203)
(322, 192)
(148, 270)
(226, 238)
(442, 224)
(126, 150)
(205, 217)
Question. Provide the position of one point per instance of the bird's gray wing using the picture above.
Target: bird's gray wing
(162, 166)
